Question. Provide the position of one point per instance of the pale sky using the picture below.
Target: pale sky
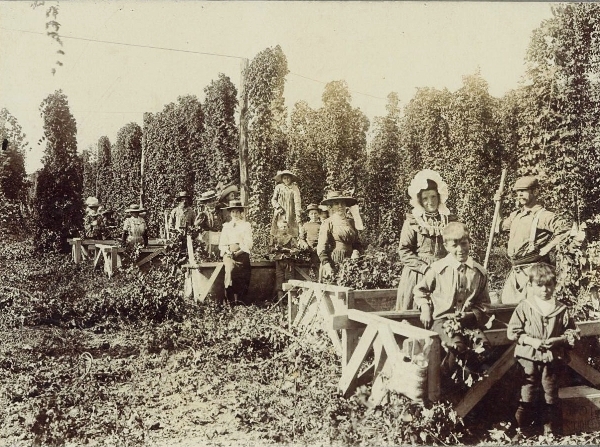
(376, 47)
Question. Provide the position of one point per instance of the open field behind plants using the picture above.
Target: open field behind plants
(89, 361)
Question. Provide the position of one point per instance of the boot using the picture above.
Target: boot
(524, 417)
(553, 420)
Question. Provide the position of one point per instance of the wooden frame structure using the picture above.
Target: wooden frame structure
(358, 326)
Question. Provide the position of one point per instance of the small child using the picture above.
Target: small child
(454, 292)
(284, 246)
(543, 330)
(309, 234)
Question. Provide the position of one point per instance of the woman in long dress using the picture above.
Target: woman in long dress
(135, 230)
(338, 236)
(421, 238)
(286, 202)
(235, 245)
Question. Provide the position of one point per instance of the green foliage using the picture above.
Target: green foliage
(220, 161)
(383, 201)
(375, 269)
(267, 143)
(171, 140)
(58, 204)
(125, 168)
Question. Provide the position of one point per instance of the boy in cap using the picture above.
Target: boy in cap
(534, 232)
(454, 291)
(309, 234)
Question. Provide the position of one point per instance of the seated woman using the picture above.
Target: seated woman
(235, 245)
(134, 227)
(338, 236)
(421, 240)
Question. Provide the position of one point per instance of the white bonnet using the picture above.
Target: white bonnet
(419, 183)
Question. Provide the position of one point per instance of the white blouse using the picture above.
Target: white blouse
(239, 232)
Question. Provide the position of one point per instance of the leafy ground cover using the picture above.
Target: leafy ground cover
(130, 362)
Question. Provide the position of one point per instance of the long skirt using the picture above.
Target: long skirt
(514, 286)
(408, 281)
(240, 277)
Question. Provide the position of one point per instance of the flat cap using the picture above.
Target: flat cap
(527, 182)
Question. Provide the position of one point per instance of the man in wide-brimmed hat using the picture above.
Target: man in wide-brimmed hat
(235, 246)
(534, 232)
(92, 221)
(183, 216)
(209, 220)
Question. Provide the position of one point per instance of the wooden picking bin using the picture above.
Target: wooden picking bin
(580, 409)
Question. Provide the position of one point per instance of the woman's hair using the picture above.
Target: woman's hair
(542, 274)
(431, 186)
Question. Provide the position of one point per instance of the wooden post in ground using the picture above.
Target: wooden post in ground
(76, 250)
(243, 146)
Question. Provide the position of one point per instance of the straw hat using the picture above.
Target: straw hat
(285, 172)
(92, 202)
(234, 204)
(337, 195)
(312, 207)
(208, 196)
(228, 190)
(419, 183)
(135, 208)
(183, 195)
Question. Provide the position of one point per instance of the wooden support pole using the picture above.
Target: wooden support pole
(243, 146)
(76, 250)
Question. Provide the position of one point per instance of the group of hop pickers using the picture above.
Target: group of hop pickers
(439, 278)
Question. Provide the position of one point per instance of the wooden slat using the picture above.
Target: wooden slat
(201, 285)
(76, 250)
(497, 337)
(403, 329)
(303, 273)
(580, 365)
(434, 360)
(326, 309)
(190, 250)
(589, 328)
(495, 373)
(374, 294)
(389, 342)
(347, 382)
(318, 286)
(341, 321)
(349, 341)
(365, 377)
(150, 257)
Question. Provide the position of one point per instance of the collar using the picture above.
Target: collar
(451, 261)
(533, 209)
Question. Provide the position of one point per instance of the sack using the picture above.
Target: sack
(410, 371)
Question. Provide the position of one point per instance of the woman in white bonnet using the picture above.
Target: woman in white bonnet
(420, 239)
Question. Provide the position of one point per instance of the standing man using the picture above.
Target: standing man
(534, 232)
(183, 215)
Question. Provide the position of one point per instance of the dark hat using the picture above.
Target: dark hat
(228, 190)
(208, 196)
(135, 208)
(527, 182)
(285, 172)
(183, 195)
(234, 204)
(311, 207)
(337, 195)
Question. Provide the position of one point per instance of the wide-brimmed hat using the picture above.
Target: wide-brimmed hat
(233, 204)
(311, 207)
(419, 183)
(527, 182)
(135, 208)
(285, 172)
(228, 190)
(183, 195)
(92, 202)
(337, 195)
(208, 196)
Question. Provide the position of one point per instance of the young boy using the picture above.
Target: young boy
(284, 246)
(309, 235)
(454, 288)
(540, 326)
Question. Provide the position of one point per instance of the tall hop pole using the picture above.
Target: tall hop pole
(243, 146)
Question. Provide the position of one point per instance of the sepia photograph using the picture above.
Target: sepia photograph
(312, 223)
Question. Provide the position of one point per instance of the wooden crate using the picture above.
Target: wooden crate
(580, 409)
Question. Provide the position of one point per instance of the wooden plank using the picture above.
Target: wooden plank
(150, 257)
(201, 285)
(318, 286)
(379, 390)
(434, 361)
(326, 310)
(292, 306)
(589, 328)
(303, 273)
(380, 356)
(580, 365)
(341, 321)
(76, 250)
(497, 337)
(390, 345)
(85, 254)
(480, 389)
(404, 329)
(347, 383)
(307, 296)
(97, 258)
(374, 294)
(349, 343)
(365, 377)
(190, 251)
